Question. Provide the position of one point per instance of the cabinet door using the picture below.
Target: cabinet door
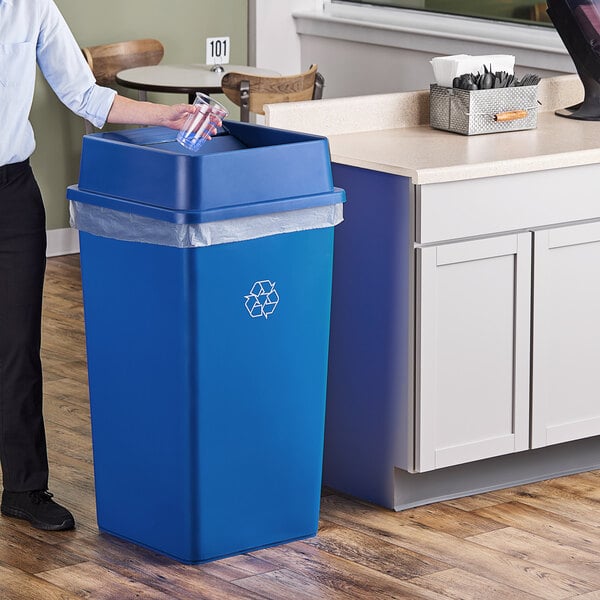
(566, 334)
(472, 351)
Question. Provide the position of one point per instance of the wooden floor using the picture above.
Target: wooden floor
(535, 541)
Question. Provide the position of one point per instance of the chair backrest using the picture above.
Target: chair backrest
(538, 12)
(107, 60)
(252, 92)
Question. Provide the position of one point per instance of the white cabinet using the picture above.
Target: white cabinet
(476, 344)
(472, 350)
(465, 331)
(566, 334)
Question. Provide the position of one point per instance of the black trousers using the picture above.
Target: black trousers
(22, 265)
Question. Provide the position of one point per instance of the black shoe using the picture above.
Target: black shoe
(38, 508)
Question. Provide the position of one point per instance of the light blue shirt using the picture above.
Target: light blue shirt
(34, 31)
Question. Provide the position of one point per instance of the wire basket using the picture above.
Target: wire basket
(473, 112)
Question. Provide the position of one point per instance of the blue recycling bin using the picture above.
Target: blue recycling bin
(207, 282)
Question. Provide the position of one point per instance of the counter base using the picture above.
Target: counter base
(417, 489)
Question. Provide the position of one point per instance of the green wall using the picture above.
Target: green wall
(181, 25)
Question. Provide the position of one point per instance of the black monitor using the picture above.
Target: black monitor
(578, 24)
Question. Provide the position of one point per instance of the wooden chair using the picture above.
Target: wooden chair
(107, 60)
(538, 13)
(252, 92)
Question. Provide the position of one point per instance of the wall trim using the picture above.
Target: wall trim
(62, 241)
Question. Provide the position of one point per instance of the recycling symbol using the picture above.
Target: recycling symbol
(262, 299)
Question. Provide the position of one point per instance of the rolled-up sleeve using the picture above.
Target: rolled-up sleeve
(63, 65)
(95, 104)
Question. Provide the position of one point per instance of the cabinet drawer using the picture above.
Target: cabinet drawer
(462, 209)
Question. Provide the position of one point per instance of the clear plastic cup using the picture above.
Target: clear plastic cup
(197, 128)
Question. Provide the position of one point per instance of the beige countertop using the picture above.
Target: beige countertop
(429, 156)
(391, 133)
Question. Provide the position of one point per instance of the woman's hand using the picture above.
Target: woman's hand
(176, 115)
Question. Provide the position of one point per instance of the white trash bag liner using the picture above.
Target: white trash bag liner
(107, 222)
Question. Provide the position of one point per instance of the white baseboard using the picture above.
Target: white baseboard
(62, 241)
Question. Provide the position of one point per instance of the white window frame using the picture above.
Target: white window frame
(539, 47)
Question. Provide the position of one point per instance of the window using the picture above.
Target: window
(530, 12)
